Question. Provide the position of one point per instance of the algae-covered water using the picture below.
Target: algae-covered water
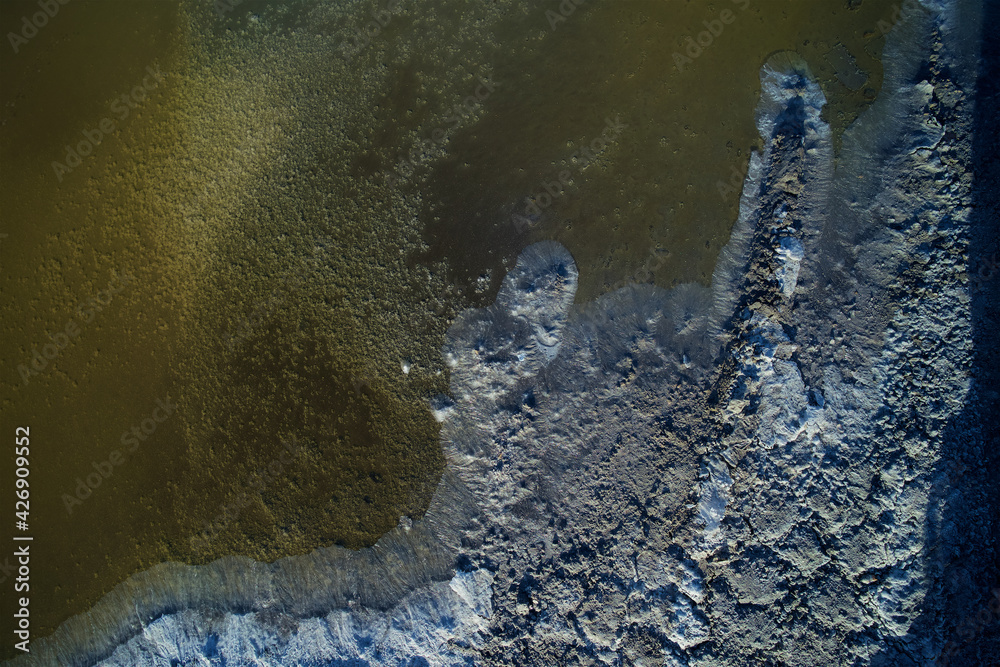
(235, 234)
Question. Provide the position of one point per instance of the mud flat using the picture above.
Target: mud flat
(766, 469)
(779, 466)
(282, 219)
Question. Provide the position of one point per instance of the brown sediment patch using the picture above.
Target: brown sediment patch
(265, 297)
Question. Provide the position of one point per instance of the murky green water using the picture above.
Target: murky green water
(289, 231)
